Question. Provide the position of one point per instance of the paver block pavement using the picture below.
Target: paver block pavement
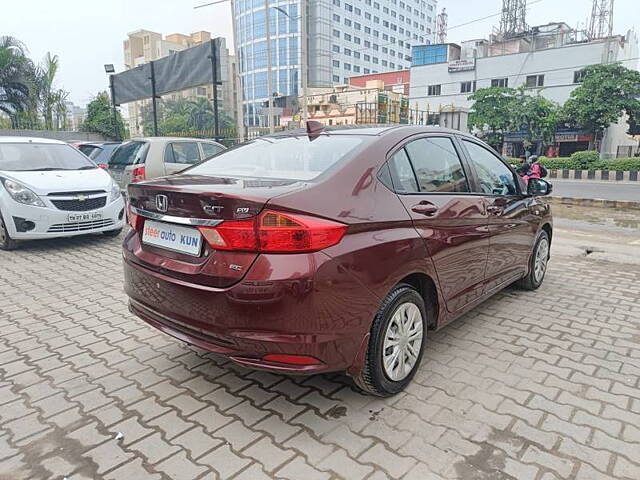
(528, 385)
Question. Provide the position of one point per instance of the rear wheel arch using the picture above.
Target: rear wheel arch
(426, 287)
(549, 229)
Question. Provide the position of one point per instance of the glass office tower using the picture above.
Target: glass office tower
(345, 39)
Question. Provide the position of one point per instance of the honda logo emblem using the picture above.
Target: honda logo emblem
(162, 203)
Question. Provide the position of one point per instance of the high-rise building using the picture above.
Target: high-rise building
(345, 38)
(143, 46)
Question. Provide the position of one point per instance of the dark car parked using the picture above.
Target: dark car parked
(99, 152)
(335, 250)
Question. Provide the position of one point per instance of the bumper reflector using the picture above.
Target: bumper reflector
(291, 359)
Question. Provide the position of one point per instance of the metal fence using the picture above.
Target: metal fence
(365, 114)
(627, 151)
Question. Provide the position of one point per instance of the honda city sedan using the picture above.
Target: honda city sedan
(333, 249)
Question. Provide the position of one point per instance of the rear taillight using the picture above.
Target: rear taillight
(138, 174)
(103, 166)
(136, 221)
(275, 232)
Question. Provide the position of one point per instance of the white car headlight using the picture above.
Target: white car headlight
(22, 194)
(115, 192)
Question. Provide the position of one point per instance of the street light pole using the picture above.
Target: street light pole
(110, 70)
(269, 82)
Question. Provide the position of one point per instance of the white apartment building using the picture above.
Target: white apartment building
(548, 60)
(143, 46)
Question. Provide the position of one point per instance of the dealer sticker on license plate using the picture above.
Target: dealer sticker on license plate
(172, 237)
(85, 217)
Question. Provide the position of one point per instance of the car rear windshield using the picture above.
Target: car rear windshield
(126, 153)
(103, 153)
(88, 149)
(42, 156)
(294, 158)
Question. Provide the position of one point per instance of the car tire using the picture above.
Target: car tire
(537, 263)
(403, 308)
(6, 242)
(112, 233)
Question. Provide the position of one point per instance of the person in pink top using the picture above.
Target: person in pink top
(536, 169)
(530, 169)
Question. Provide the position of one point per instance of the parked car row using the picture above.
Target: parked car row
(49, 189)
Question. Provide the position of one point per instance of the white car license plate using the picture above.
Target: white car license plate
(172, 237)
(85, 217)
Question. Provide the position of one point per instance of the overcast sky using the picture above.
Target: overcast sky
(86, 34)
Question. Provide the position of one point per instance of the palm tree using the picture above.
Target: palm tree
(47, 75)
(60, 108)
(16, 77)
(200, 114)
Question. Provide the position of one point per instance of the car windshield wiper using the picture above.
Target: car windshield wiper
(43, 169)
(87, 167)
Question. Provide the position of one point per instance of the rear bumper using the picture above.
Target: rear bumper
(311, 313)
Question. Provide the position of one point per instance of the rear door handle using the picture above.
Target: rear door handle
(425, 208)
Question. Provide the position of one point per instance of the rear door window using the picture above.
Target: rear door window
(437, 166)
(210, 149)
(404, 180)
(185, 153)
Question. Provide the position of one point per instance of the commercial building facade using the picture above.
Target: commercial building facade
(548, 61)
(144, 46)
(372, 103)
(345, 38)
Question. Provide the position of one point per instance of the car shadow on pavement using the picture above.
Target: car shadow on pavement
(66, 243)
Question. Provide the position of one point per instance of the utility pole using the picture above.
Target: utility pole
(304, 59)
(153, 98)
(269, 82)
(214, 73)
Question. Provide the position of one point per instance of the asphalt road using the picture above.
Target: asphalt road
(605, 190)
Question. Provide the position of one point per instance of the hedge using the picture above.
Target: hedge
(586, 161)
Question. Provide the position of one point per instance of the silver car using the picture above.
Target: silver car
(153, 157)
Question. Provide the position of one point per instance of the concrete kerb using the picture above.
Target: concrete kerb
(595, 202)
(598, 175)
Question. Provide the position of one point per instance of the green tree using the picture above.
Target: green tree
(183, 116)
(100, 118)
(538, 117)
(17, 79)
(46, 76)
(493, 113)
(606, 94)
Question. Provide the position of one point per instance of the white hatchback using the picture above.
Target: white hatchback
(49, 189)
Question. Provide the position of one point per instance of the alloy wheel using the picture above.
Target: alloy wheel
(402, 341)
(542, 257)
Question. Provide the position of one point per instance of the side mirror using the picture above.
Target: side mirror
(538, 187)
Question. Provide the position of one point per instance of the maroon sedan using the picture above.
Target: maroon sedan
(333, 250)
